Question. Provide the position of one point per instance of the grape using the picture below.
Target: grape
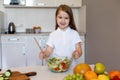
(74, 77)
(1, 78)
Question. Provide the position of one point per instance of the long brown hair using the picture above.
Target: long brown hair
(68, 10)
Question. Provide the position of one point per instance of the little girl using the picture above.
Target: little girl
(65, 40)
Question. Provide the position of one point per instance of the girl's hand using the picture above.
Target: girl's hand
(41, 55)
(76, 54)
(46, 53)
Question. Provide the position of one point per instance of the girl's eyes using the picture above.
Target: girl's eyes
(60, 17)
(63, 17)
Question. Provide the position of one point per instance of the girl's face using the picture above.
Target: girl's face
(62, 19)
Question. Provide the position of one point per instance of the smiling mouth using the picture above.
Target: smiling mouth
(62, 24)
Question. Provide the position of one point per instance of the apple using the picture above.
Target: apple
(99, 68)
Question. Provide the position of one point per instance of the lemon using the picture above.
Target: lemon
(103, 77)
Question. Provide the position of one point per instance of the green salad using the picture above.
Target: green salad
(58, 65)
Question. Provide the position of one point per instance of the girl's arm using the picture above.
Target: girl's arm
(46, 53)
(78, 52)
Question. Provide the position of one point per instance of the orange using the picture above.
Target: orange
(81, 68)
(90, 75)
(94, 79)
(114, 73)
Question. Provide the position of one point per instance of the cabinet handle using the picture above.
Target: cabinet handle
(13, 39)
(23, 50)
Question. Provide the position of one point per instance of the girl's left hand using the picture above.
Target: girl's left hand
(75, 54)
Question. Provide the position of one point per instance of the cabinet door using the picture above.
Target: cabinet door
(72, 3)
(33, 51)
(44, 2)
(54, 3)
(13, 55)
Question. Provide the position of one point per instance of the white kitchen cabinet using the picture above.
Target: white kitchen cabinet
(53, 3)
(22, 50)
(40, 3)
(13, 51)
(72, 3)
(44, 3)
(33, 51)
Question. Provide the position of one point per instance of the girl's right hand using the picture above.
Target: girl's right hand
(42, 55)
(46, 53)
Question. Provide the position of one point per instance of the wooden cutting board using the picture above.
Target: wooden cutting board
(16, 75)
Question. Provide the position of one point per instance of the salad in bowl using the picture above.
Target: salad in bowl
(59, 64)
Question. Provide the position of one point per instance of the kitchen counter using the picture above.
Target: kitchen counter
(43, 73)
(26, 34)
(30, 34)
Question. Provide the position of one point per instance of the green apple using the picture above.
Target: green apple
(99, 68)
(103, 77)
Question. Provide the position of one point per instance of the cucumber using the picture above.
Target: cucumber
(6, 78)
(8, 73)
(1, 75)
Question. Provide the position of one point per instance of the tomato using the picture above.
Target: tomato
(63, 65)
(57, 68)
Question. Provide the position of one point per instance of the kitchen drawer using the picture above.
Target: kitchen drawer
(9, 39)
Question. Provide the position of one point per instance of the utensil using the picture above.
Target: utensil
(39, 47)
(38, 44)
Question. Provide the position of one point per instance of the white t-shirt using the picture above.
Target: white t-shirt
(63, 42)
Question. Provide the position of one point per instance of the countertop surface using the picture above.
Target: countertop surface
(43, 73)
(33, 34)
(26, 34)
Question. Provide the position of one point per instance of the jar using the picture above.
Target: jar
(37, 29)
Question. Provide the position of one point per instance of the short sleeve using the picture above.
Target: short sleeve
(77, 38)
(50, 41)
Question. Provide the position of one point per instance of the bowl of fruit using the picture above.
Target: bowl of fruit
(59, 64)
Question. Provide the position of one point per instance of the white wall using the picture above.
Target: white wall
(29, 17)
(45, 17)
(1, 5)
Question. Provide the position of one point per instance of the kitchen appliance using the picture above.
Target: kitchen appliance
(14, 2)
(11, 28)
